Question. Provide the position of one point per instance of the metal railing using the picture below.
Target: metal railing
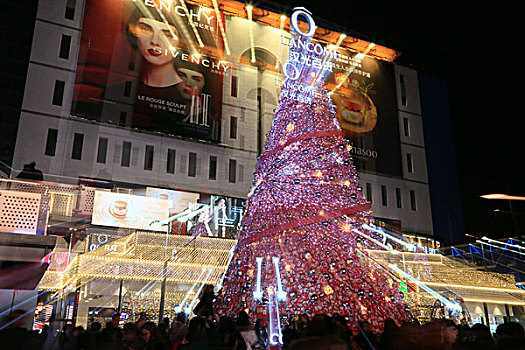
(502, 257)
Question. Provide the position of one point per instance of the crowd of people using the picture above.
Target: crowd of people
(299, 332)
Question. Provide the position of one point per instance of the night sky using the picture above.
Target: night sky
(476, 51)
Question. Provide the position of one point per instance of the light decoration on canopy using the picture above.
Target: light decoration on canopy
(221, 26)
(249, 9)
(188, 309)
(449, 304)
(410, 247)
(179, 308)
(152, 257)
(195, 31)
(449, 275)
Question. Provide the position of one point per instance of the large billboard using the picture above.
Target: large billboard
(129, 211)
(159, 65)
(363, 92)
(139, 67)
(362, 89)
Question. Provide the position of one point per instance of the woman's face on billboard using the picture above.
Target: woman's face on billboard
(154, 40)
(191, 80)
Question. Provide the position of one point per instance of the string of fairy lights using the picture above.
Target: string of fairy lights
(463, 277)
(296, 237)
(208, 258)
(469, 277)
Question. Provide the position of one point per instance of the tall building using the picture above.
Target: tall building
(96, 105)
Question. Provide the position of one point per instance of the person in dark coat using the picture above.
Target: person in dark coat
(205, 306)
(151, 337)
(290, 332)
(196, 338)
(30, 172)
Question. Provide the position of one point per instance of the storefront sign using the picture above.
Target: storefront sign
(308, 63)
(102, 239)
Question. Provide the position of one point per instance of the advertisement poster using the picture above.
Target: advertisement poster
(362, 89)
(129, 211)
(159, 66)
(178, 200)
(219, 216)
(151, 65)
(364, 94)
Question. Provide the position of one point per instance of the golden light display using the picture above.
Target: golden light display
(444, 276)
(143, 260)
(280, 21)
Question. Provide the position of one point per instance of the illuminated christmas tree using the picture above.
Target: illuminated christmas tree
(301, 246)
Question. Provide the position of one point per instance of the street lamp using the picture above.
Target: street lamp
(503, 196)
(510, 199)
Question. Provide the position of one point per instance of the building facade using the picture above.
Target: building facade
(67, 145)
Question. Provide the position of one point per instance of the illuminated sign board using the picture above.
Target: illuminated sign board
(178, 200)
(97, 240)
(129, 211)
(361, 88)
(220, 216)
(308, 63)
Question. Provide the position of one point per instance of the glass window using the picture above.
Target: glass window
(192, 164)
(233, 91)
(384, 197)
(148, 157)
(406, 127)
(70, 9)
(78, 141)
(212, 174)
(170, 164)
(398, 198)
(233, 127)
(123, 118)
(102, 150)
(403, 88)
(232, 171)
(410, 165)
(58, 92)
(127, 89)
(65, 45)
(51, 142)
(369, 192)
(413, 204)
(126, 154)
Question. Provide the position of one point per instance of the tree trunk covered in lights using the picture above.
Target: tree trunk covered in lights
(302, 226)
